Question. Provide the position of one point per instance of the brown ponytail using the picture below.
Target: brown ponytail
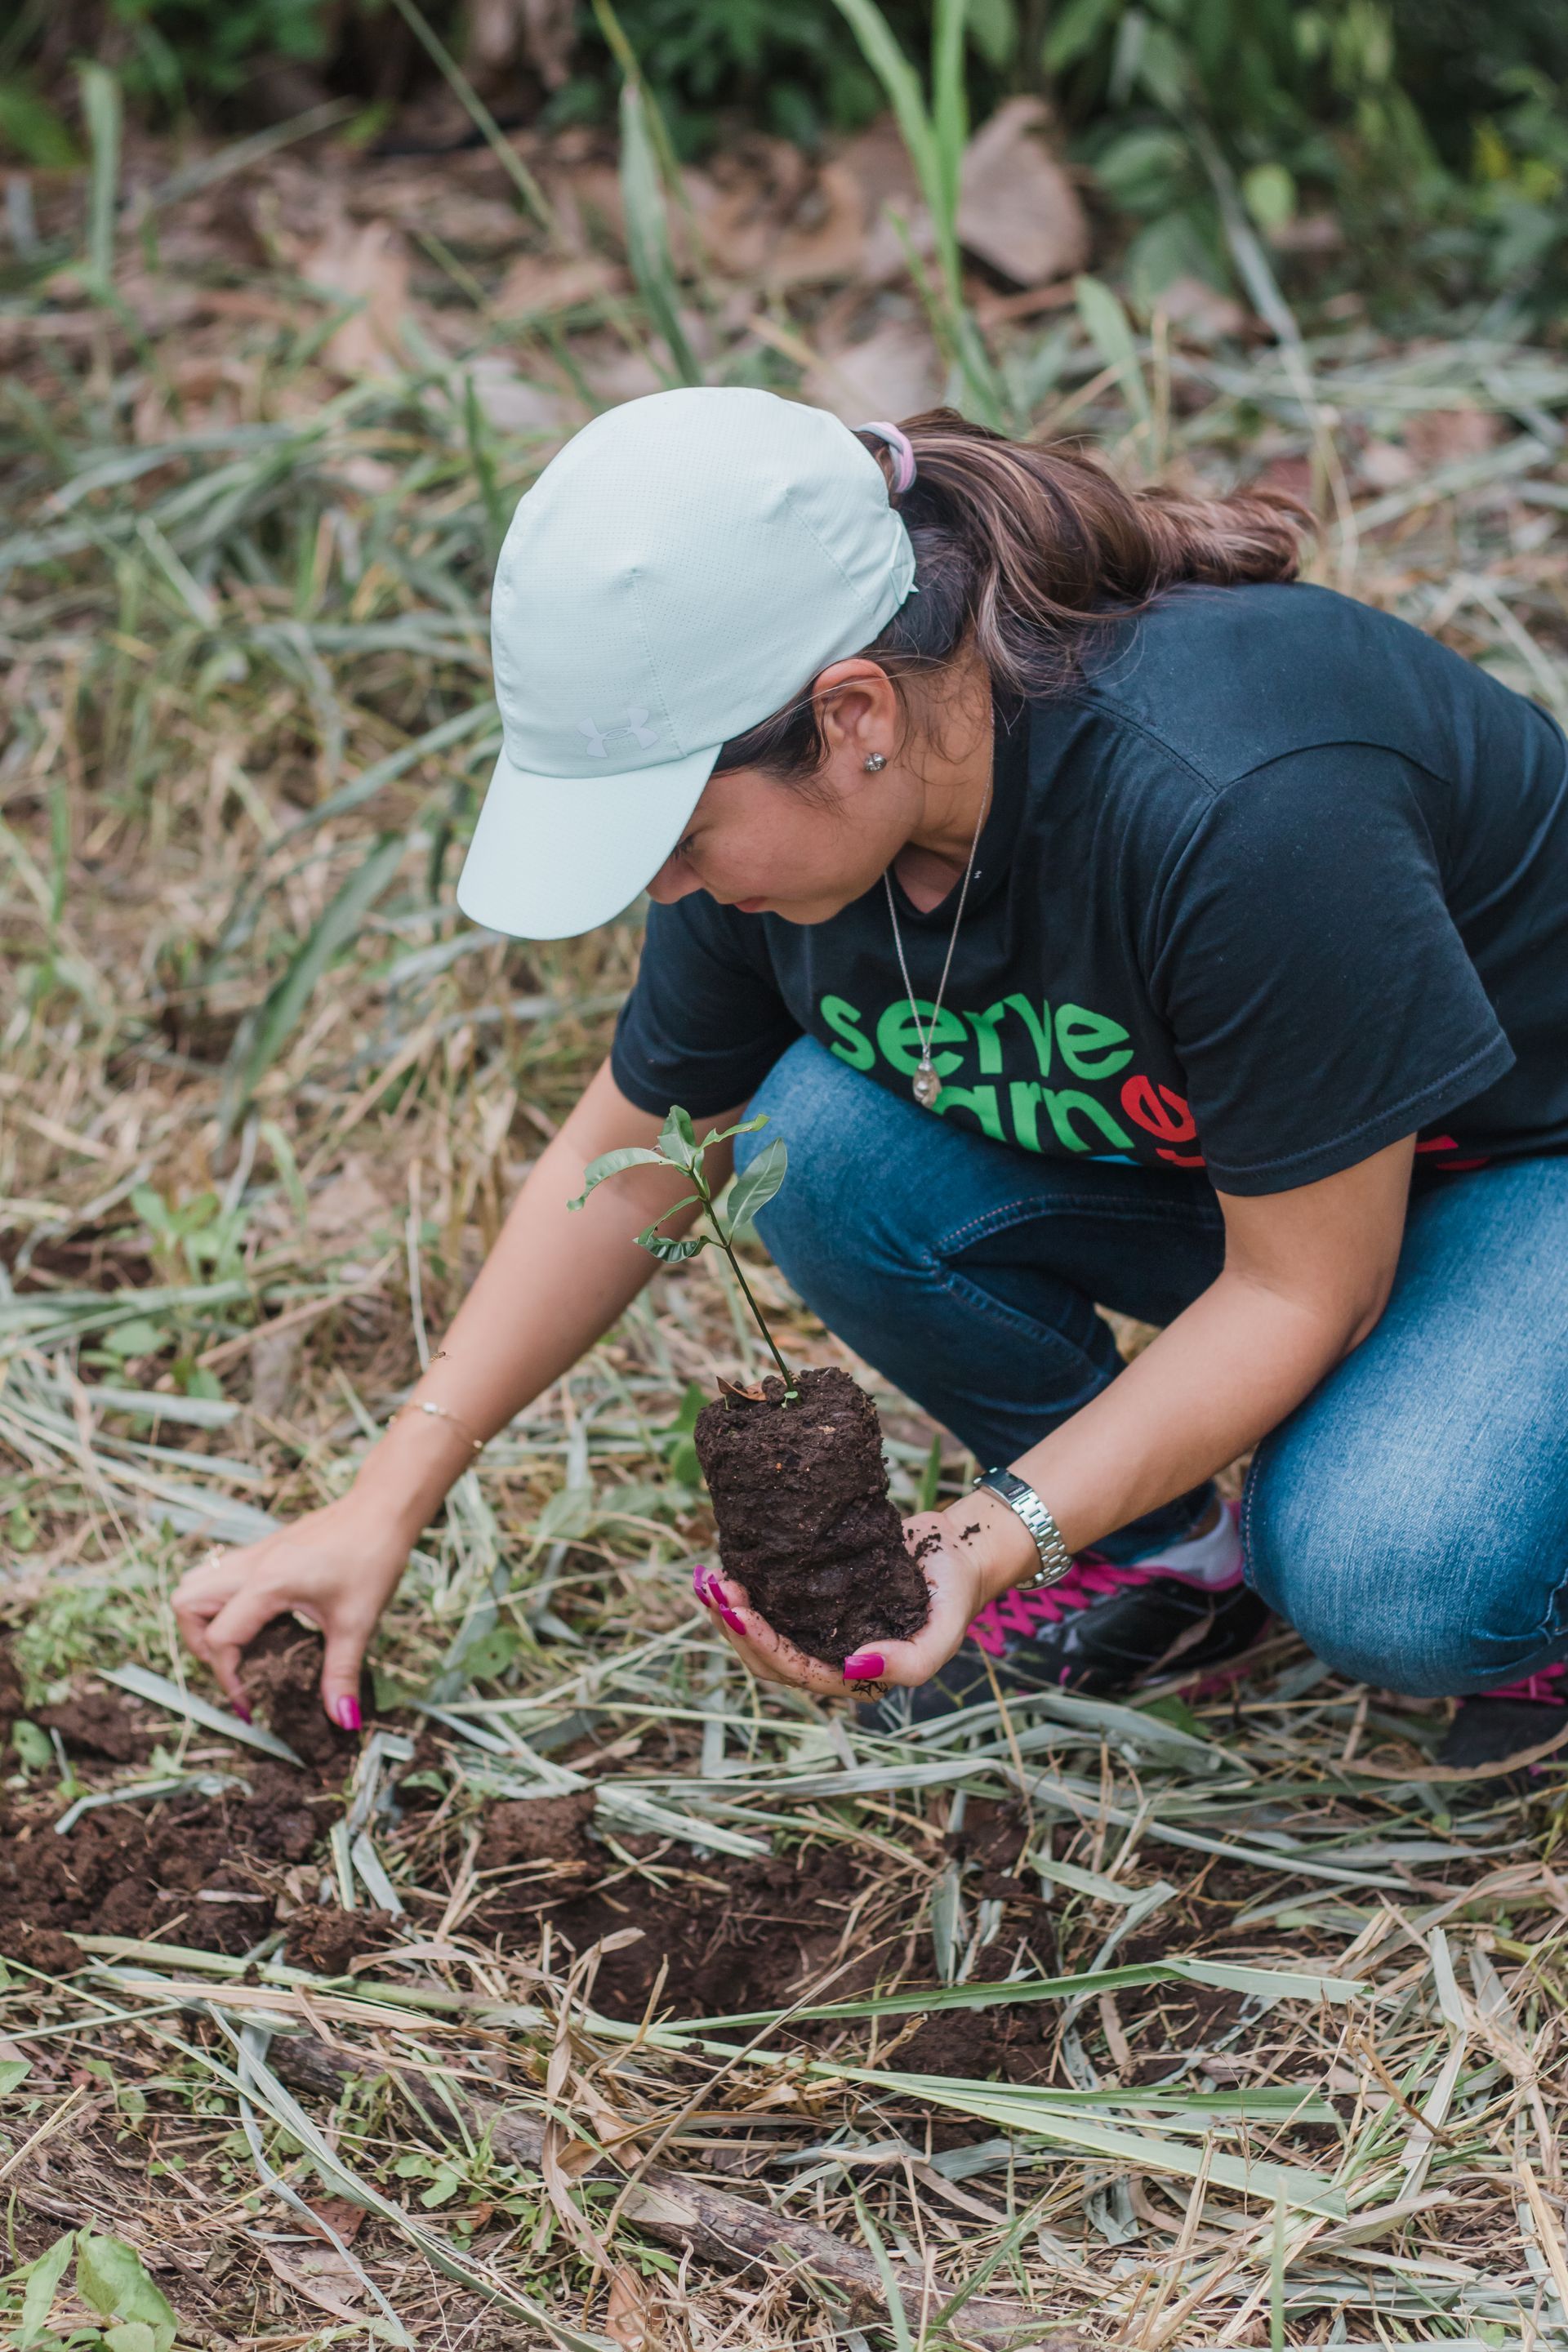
(1032, 551)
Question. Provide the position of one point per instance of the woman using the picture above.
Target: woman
(1102, 918)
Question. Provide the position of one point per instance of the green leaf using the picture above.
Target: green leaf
(611, 1163)
(762, 1180)
(130, 2336)
(1174, 1710)
(444, 2188)
(1075, 29)
(691, 1405)
(34, 131)
(994, 29)
(668, 1251)
(258, 1045)
(678, 1140)
(43, 2282)
(109, 2275)
(1268, 192)
(746, 1127)
(139, 1337)
(1111, 334)
(931, 1477)
(32, 1744)
(647, 232)
(12, 2072)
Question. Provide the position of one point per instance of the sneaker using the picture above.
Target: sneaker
(1104, 1628)
(1495, 1725)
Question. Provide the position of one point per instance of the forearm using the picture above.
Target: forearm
(554, 1282)
(1213, 1383)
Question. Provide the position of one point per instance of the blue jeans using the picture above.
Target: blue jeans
(1409, 1518)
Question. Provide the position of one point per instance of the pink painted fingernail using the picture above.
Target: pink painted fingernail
(242, 1711)
(867, 1666)
(699, 1585)
(736, 1624)
(348, 1714)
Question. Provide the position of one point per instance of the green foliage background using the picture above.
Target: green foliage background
(1436, 130)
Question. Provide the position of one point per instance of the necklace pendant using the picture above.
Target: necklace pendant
(927, 1085)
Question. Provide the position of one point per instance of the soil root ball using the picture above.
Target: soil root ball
(806, 1523)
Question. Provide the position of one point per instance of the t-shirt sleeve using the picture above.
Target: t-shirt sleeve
(1321, 1000)
(705, 1022)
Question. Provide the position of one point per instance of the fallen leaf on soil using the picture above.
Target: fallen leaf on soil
(1018, 209)
(893, 372)
(1383, 466)
(627, 2312)
(1443, 434)
(878, 160)
(1201, 312)
(512, 404)
(542, 30)
(537, 284)
(368, 264)
(775, 224)
(324, 2279)
(346, 2220)
(348, 1203)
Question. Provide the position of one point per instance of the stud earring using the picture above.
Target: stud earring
(877, 760)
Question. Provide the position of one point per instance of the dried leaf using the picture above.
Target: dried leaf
(1018, 209)
(1439, 435)
(368, 264)
(893, 372)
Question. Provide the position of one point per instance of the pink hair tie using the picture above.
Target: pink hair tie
(903, 456)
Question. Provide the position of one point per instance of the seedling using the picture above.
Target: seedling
(678, 1148)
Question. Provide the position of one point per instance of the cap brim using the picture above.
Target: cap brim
(553, 855)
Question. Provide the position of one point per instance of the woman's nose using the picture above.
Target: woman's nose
(675, 879)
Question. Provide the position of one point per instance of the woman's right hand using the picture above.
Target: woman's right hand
(338, 1567)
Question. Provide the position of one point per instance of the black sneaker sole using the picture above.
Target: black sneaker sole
(1492, 1730)
(1147, 1631)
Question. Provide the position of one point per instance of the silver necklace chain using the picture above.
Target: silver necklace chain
(926, 1085)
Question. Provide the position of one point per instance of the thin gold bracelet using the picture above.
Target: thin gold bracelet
(441, 1412)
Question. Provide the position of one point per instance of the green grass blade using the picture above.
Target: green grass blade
(647, 232)
(949, 117)
(480, 115)
(257, 1049)
(1110, 332)
(101, 105)
(903, 2334)
(900, 79)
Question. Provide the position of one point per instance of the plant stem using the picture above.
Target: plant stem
(728, 1247)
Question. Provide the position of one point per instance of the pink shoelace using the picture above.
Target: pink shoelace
(1545, 1686)
(1089, 1578)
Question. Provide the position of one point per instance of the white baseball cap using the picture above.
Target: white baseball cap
(683, 567)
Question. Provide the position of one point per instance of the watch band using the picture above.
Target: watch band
(1019, 1497)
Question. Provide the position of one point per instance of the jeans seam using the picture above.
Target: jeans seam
(981, 1301)
(1024, 1211)
(1248, 1489)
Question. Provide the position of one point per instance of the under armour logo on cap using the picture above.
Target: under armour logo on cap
(635, 724)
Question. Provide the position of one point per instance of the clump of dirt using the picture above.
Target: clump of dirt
(537, 1829)
(282, 1675)
(806, 1523)
(326, 1937)
(98, 1723)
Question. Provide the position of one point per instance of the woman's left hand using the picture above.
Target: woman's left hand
(954, 1579)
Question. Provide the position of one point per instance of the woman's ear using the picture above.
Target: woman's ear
(857, 710)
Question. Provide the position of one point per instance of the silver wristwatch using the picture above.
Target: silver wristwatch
(1019, 1497)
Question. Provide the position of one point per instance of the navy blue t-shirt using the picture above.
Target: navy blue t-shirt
(1282, 881)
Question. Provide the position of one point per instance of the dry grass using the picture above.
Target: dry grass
(263, 1102)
